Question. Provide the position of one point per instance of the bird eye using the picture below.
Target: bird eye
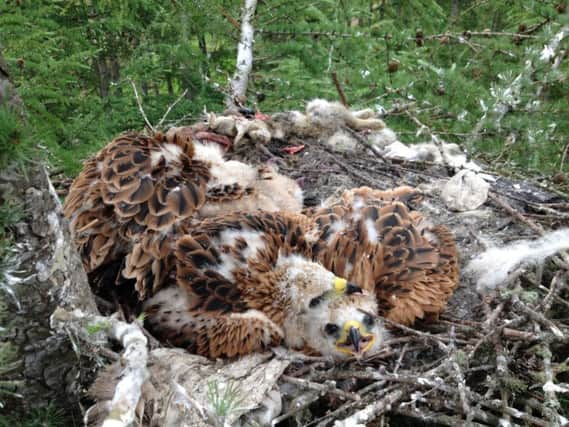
(353, 289)
(368, 320)
(331, 328)
(315, 301)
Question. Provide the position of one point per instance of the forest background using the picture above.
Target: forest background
(477, 73)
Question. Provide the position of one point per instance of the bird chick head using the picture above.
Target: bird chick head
(327, 313)
(308, 283)
(344, 327)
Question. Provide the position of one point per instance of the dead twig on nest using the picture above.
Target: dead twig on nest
(338, 86)
(329, 387)
(140, 108)
(170, 107)
(436, 140)
(371, 411)
(364, 143)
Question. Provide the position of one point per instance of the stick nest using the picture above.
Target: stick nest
(496, 356)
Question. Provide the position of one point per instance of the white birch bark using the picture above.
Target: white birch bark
(238, 84)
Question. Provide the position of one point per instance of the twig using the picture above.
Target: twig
(491, 404)
(364, 142)
(501, 372)
(434, 418)
(234, 22)
(462, 387)
(170, 108)
(369, 394)
(330, 387)
(551, 404)
(350, 170)
(563, 157)
(140, 108)
(466, 34)
(297, 406)
(504, 205)
(134, 359)
(554, 289)
(438, 339)
(372, 411)
(341, 93)
(401, 356)
(555, 297)
(330, 34)
(434, 138)
(536, 317)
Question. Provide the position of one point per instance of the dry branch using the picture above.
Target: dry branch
(339, 89)
(133, 360)
(141, 108)
(371, 411)
(329, 387)
(170, 108)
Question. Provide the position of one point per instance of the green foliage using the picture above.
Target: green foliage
(73, 62)
(224, 399)
(50, 416)
(14, 146)
(93, 328)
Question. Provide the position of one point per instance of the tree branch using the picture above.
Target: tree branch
(140, 108)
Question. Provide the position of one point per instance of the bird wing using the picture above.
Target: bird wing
(222, 300)
(373, 239)
(235, 249)
(136, 183)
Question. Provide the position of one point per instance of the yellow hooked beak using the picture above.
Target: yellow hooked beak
(354, 340)
(342, 287)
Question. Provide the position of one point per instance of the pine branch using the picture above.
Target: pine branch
(330, 34)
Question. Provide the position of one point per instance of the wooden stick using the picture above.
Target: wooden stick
(341, 93)
(551, 404)
(234, 22)
(140, 108)
(371, 411)
(322, 388)
(134, 360)
(170, 108)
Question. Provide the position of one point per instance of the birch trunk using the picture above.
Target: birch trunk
(240, 80)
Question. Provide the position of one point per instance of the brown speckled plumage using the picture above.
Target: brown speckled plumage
(206, 260)
(411, 265)
(152, 186)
